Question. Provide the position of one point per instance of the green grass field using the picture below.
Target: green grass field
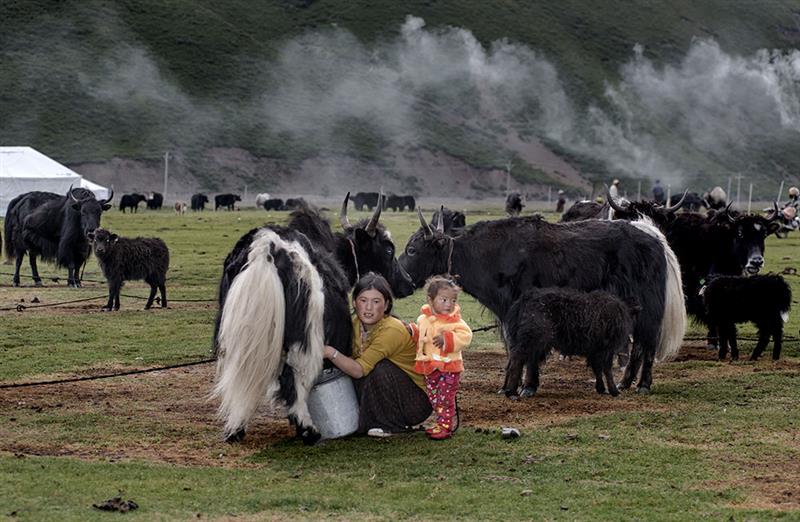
(713, 441)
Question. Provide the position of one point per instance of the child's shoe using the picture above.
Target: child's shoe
(438, 433)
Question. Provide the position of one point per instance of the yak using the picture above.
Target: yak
(514, 204)
(497, 261)
(762, 299)
(198, 201)
(723, 243)
(125, 259)
(368, 199)
(54, 228)
(226, 200)
(155, 201)
(131, 201)
(282, 297)
(595, 324)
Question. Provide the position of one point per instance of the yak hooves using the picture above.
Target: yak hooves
(527, 392)
(644, 390)
(236, 436)
(310, 436)
(35, 283)
(613, 392)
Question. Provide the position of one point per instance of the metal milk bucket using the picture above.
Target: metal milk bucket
(333, 404)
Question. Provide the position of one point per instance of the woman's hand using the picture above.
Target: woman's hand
(329, 352)
(438, 341)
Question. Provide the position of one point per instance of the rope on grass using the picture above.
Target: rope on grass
(19, 307)
(104, 376)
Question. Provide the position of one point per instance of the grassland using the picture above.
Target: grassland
(713, 441)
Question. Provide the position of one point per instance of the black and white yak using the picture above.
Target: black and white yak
(761, 299)
(498, 261)
(596, 325)
(53, 227)
(127, 259)
(283, 296)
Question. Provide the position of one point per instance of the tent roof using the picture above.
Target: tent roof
(26, 162)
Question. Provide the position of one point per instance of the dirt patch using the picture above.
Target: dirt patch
(174, 402)
(165, 416)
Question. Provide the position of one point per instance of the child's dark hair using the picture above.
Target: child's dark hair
(373, 281)
(436, 283)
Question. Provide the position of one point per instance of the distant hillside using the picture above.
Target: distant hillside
(444, 97)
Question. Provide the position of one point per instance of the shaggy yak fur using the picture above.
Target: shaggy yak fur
(53, 227)
(131, 201)
(283, 297)
(596, 325)
(761, 299)
(199, 201)
(125, 259)
(514, 204)
(498, 261)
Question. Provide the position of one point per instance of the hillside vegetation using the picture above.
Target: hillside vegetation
(377, 82)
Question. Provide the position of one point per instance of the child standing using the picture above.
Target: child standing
(441, 335)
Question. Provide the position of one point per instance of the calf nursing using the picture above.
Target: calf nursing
(596, 325)
(125, 259)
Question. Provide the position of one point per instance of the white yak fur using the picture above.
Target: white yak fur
(251, 335)
(673, 324)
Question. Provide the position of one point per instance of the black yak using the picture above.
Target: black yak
(226, 200)
(761, 299)
(53, 227)
(498, 261)
(131, 201)
(128, 259)
(155, 201)
(283, 297)
(596, 325)
(514, 204)
(199, 201)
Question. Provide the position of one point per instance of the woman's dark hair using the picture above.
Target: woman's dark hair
(373, 281)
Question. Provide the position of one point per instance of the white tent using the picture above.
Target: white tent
(23, 169)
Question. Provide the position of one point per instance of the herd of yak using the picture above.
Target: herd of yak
(618, 280)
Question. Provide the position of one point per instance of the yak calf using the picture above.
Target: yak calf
(761, 299)
(126, 259)
(596, 325)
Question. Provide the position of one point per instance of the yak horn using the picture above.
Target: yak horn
(613, 203)
(109, 198)
(343, 215)
(425, 228)
(440, 221)
(72, 197)
(677, 205)
(775, 214)
(373, 222)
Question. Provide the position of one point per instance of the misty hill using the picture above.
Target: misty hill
(438, 97)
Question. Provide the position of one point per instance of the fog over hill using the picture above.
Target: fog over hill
(327, 93)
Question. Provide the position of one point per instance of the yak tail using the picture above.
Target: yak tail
(673, 322)
(7, 241)
(251, 335)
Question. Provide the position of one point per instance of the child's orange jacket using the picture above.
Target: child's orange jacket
(457, 336)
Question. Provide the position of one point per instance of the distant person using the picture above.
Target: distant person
(658, 193)
(614, 190)
(562, 200)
